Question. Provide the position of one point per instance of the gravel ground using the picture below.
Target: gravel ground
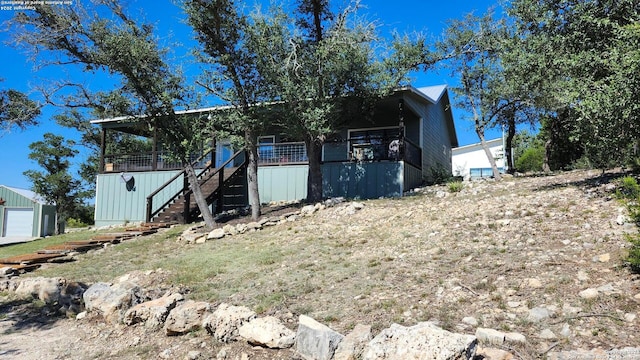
(538, 256)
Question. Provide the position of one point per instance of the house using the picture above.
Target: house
(410, 133)
(471, 162)
(24, 214)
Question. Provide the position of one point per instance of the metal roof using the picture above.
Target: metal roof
(28, 194)
(429, 93)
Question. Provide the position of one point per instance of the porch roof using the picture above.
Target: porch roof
(429, 93)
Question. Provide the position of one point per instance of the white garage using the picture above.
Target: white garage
(470, 161)
(24, 214)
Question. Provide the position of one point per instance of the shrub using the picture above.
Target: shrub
(633, 257)
(583, 163)
(629, 188)
(439, 174)
(455, 186)
(75, 223)
(531, 160)
(629, 192)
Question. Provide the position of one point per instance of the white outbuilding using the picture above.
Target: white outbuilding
(471, 162)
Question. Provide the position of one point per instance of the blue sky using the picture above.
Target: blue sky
(405, 16)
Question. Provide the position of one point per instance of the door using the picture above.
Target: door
(224, 151)
(18, 222)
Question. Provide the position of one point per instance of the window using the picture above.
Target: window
(266, 147)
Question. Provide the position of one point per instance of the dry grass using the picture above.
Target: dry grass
(418, 258)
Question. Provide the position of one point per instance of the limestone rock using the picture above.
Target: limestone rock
(489, 336)
(515, 338)
(357, 205)
(493, 354)
(627, 353)
(315, 340)
(538, 314)
(589, 293)
(254, 226)
(216, 234)
(308, 210)
(230, 229)
(186, 317)
(241, 228)
(112, 301)
(352, 345)
(44, 289)
(470, 320)
(422, 341)
(534, 283)
(269, 332)
(6, 271)
(225, 321)
(153, 313)
(547, 334)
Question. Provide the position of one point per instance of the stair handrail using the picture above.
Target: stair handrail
(150, 213)
(221, 181)
(185, 188)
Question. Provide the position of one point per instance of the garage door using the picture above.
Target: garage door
(18, 222)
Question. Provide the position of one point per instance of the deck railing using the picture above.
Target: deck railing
(145, 162)
(373, 149)
(282, 153)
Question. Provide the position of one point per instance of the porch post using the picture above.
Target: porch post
(103, 140)
(401, 128)
(154, 150)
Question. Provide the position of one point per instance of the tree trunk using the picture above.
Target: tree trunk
(252, 173)
(314, 178)
(511, 133)
(487, 151)
(547, 152)
(194, 185)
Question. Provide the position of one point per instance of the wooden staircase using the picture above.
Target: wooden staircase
(224, 187)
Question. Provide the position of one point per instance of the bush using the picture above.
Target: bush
(455, 186)
(629, 192)
(633, 257)
(75, 223)
(583, 163)
(629, 188)
(439, 175)
(531, 159)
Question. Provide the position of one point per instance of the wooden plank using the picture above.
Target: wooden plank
(21, 267)
(29, 258)
(66, 247)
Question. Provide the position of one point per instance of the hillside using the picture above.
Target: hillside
(538, 256)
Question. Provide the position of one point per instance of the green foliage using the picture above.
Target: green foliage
(629, 192)
(531, 160)
(633, 256)
(439, 174)
(55, 183)
(628, 189)
(75, 223)
(583, 163)
(455, 186)
(590, 86)
(17, 110)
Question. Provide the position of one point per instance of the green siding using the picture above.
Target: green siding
(282, 183)
(436, 144)
(50, 227)
(412, 177)
(15, 200)
(362, 180)
(116, 206)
